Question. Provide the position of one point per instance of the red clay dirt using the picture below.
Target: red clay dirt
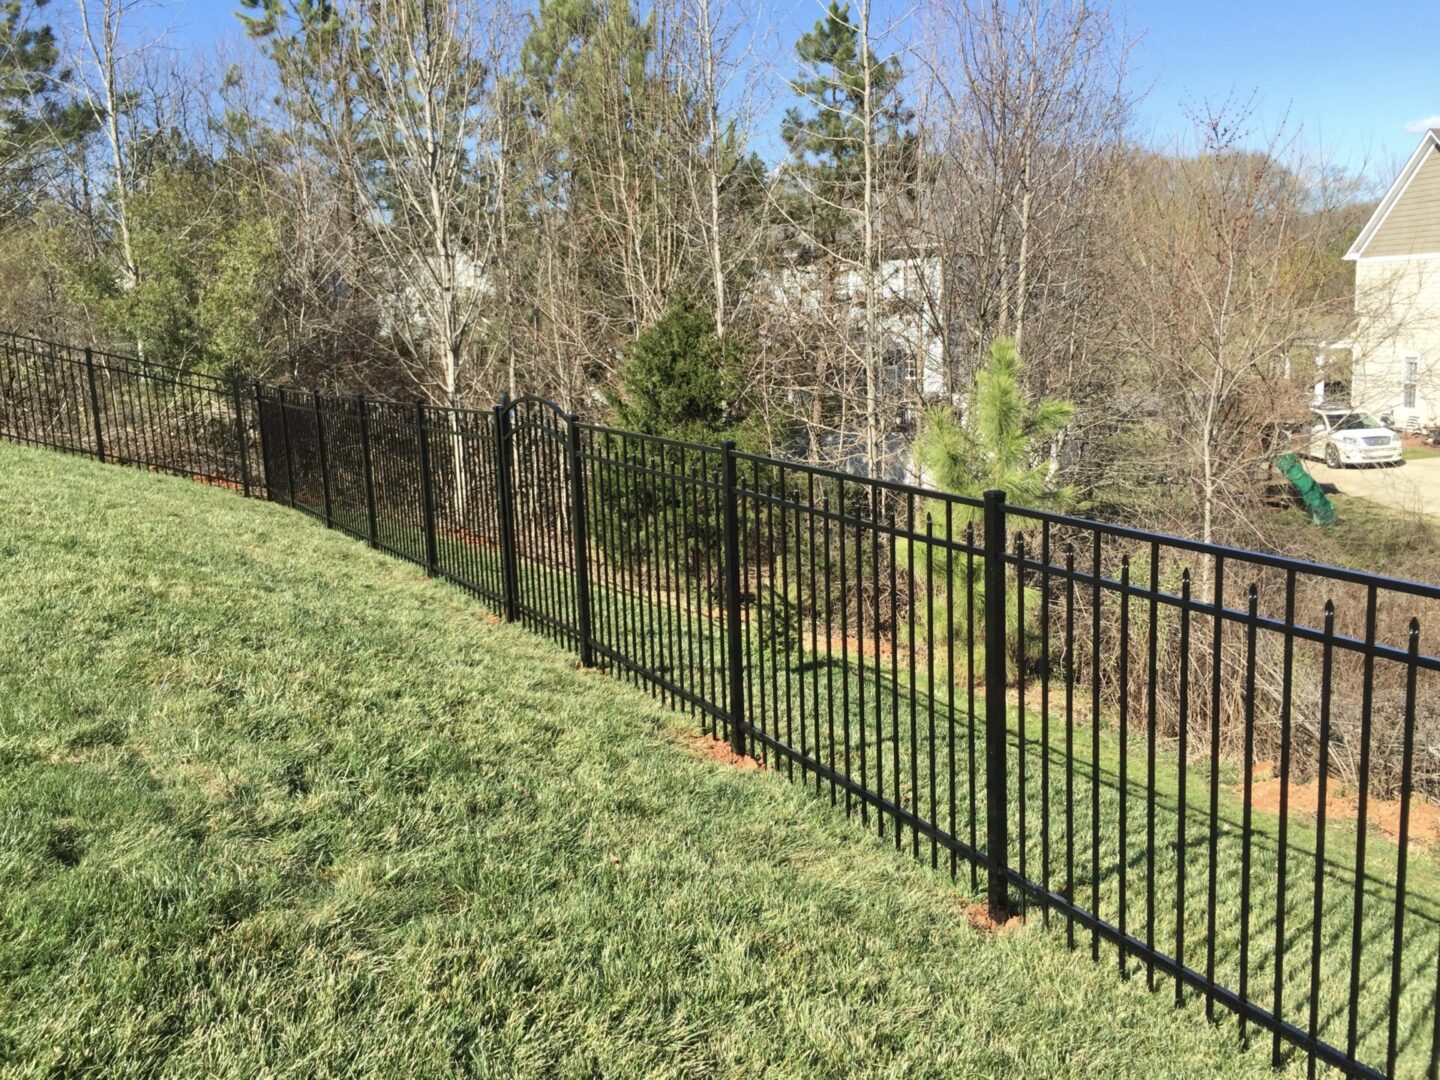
(213, 481)
(719, 750)
(978, 915)
(1340, 805)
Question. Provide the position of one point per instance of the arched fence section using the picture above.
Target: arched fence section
(1215, 768)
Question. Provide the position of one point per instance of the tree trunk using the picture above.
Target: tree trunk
(870, 254)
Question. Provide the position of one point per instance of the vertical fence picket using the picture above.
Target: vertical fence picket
(1362, 823)
(996, 783)
(1407, 766)
(506, 499)
(259, 395)
(579, 536)
(1322, 768)
(367, 472)
(289, 452)
(240, 428)
(735, 692)
(427, 492)
(1277, 1059)
(1181, 802)
(323, 457)
(95, 418)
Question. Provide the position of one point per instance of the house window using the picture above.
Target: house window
(901, 364)
(1409, 383)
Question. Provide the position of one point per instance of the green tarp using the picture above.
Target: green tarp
(1322, 510)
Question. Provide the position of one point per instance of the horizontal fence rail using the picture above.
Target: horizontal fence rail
(1212, 766)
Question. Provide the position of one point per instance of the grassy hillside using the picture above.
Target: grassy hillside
(273, 803)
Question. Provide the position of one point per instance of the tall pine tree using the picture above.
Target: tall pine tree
(826, 134)
(38, 119)
(849, 160)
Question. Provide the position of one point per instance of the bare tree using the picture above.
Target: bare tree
(1223, 274)
(721, 57)
(105, 57)
(100, 28)
(416, 74)
(870, 240)
(1025, 110)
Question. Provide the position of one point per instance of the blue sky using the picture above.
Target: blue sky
(1347, 75)
(1350, 75)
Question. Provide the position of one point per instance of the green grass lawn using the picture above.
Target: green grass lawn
(901, 721)
(275, 804)
(1419, 453)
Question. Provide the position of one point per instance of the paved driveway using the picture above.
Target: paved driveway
(1412, 486)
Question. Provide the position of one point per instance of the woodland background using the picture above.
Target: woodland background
(455, 200)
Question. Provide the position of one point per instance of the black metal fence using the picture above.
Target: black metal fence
(1213, 762)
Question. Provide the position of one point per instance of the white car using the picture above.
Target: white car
(1346, 437)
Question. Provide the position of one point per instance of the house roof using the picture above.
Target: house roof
(1428, 141)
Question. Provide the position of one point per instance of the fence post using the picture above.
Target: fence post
(260, 429)
(289, 456)
(240, 437)
(505, 497)
(580, 536)
(95, 406)
(735, 698)
(996, 786)
(324, 458)
(367, 472)
(427, 497)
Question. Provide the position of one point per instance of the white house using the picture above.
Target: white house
(905, 288)
(912, 355)
(1395, 351)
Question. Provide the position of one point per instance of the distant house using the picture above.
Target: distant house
(828, 307)
(1395, 349)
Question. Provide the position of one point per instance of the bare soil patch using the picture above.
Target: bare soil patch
(978, 916)
(719, 750)
(1342, 804)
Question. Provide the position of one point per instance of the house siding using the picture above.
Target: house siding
(1397, 318)
(1413, 225)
